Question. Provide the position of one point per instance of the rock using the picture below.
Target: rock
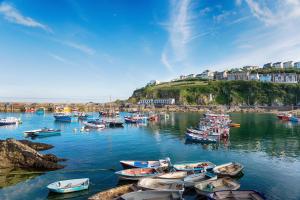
(14, 153)
(36, 145)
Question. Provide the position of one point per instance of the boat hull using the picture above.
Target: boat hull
(63, 118)
(68, 186)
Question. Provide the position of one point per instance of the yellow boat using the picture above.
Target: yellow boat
(235, 125)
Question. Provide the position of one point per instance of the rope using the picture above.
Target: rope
(62, 171)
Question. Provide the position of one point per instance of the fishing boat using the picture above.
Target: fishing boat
(200, 138)
(127, 164)
(238, 194)
(151, 195)
(9, 121)
(173, 175)
(72, 185)
(82, 116)
(228, 169)
(170, 185)
(94, 124)
(115, 123)
(210, 186)
(294, 119)
(43, 132)
(40, 111)
(137, 173)
(194, 166)
(192, 179)
(114, 193)
(62, 117)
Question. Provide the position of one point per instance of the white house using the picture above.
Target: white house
(153, 82)
(254, 77)
(291, 78)
(249, 68)
(265, 77)
(207, 74)
(267, 65)
(288, 64)
(278, 78)
(170, 101)
(297, 64)
(278, 65)
(190, 76)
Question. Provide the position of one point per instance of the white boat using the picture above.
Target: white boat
(170, 185)
(151, 195)
(193, 179)
(210, 186)
(137, 173)
(9, 121)
(94, 124)
(72, 185)
(42, 132)
(173, 175)
(127, 164)
(228, 169)
(194, 166)
(239, 194)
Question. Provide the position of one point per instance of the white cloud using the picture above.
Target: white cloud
(13, 15)
(204, 11)
(80, 47)
(60, 59)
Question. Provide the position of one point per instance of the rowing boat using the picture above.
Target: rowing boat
(193, 179)
(194, 166)
(228, 169)
(127, 164)
(173, 175)
(171, 185)
(72, 185)
(151, 195)
(137, 173)
(113, 193)
(240, 194)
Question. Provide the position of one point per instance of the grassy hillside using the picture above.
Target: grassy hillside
(196, 91)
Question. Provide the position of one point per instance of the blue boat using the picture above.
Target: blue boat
(194, 166)
(67, 186)
(200, 138)
(294, 119)
(62, 117)
(44, 132)
(40, 111)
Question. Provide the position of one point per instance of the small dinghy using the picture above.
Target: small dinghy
(200, 138)
(228, 169)
(10, 121)
(193, 179)
(210, 186)
(173, 175)
(42, 132)
(137, 173)
(127, 164)
(72, 185)
(196, 166)
(94, 124)
(236, 195)
(114, 193)
(171, 185)
(151, 195)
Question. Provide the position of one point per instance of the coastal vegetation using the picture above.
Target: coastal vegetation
(201, 92)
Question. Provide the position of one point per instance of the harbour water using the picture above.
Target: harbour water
(267, 147)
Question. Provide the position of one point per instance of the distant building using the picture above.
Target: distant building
(254, 77)
(153, 82)
(221, 75)
(288, 64)
(291, 78)
(190, 76)
(181, 77)
(279, 78)
(207, 74)
(267, 65)
(170, 101)
(250, 68)
(278, 65)
(265, 77)
(297, 64)
(233, 76)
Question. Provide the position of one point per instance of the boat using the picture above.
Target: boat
(62, 117)
(192, 179)
(210, 186)
(294, 119)
(228, 169)
(114, 124)
(82, 116)
(194, 166)
(200, 138)
(9, 121)
(170, 185)
(238, 195)
(235, 125)
(94, 124)
(127, 164)
(114, 193)
(173, 175)
(137, 173)
(151, 195)
(43, 132)
(72, 185)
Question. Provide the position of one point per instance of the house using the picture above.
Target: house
(265, 77)
(153, 82)
(291, 78)
(181, 77)
(267, 65)
(288, 64)
(297, 64)
(278, 78)
(254, 77)
(169, 101)
(190, 76)
(221, 75)
(278, 65)
(250, 68)
(207, 74)
(238, 76)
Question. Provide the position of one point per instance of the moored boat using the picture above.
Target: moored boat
(151, 195)
(62, 117)
(40, 111)
(127, 164)
(72, 185)
(193, 179)
(294, 119)
(113, 193)
(173, 175)
(210, 186)
(94, 124)
(137, 173)
(43, 132)
(9, 121)
(171, 185)
(228, 169)
(237, 195)
(194, 166)
(200, 138)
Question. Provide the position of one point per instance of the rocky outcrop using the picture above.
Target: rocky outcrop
(24, 154)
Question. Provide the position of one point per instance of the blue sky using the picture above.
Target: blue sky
(78, 50)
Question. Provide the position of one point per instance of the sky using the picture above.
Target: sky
(89, 50)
